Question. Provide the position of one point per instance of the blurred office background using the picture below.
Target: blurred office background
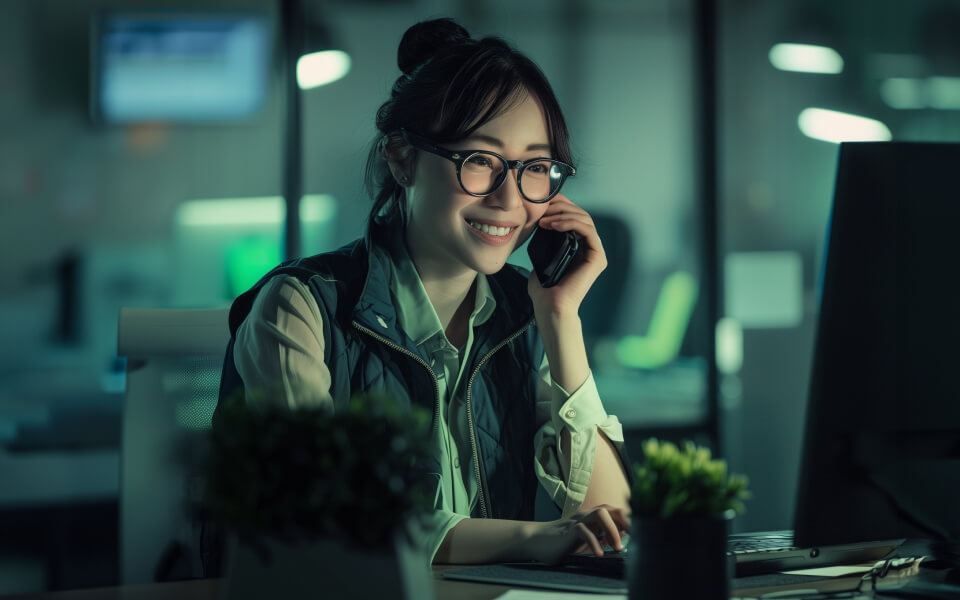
(117, 200)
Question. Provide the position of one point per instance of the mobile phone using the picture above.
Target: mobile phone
(551, 252)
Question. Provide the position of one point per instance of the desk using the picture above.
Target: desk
(207, 589)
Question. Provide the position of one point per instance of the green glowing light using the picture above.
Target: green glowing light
(254, 210)
(671, 316)
(248, 259)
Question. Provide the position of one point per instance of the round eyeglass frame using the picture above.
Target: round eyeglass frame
(458, 157)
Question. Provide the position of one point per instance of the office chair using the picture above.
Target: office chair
(600, 310)
(174, 358)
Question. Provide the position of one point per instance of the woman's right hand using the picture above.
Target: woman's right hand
(585, 531)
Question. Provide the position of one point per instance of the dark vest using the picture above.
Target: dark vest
(365, 351)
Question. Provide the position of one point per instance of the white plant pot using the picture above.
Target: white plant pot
(327, 568)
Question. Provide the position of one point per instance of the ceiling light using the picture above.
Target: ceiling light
(834, 126)
(320, 68)
(806, 58)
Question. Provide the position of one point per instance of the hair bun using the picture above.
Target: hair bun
(423, 40)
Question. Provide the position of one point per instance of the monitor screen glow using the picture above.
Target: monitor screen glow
(180, 67)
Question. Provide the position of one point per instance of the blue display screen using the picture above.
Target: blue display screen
(180, 67)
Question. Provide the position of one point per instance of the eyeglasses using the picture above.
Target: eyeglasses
(885, 576)
(903, 567)
(481, 172)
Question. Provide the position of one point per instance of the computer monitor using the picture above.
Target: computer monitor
(882, 442)
(181, 66)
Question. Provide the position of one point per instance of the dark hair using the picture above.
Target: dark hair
(451, 85)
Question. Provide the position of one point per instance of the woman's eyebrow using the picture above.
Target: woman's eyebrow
(480, 137)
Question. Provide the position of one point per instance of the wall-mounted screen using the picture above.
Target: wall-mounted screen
(179, 67)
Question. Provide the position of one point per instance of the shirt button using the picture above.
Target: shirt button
(571, 413)
(576, 437)
(456, 461)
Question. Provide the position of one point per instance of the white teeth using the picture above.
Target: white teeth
(496, 231)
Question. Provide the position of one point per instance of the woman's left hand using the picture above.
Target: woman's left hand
(565, 297)
(586, 531)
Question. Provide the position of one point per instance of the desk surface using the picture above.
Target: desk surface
(208, 589)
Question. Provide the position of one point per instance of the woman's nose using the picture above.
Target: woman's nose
(508, 195)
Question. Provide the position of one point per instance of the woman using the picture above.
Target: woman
(426, 307)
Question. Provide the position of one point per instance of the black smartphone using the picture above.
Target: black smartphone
(551, 252)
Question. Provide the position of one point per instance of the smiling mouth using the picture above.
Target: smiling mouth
(490, 229)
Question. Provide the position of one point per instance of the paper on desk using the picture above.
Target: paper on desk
(837, 571)
(555, 595)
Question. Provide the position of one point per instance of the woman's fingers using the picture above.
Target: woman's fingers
(609, 523)
(581, 224)
(611, 531)
(564, 215)
(559, 201)
(591, 540)
(620, 517)
(562, 205)
(602, 523)
(566, 297)
(565, 212)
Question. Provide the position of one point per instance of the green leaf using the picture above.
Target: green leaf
(675, 482)
(356, 474)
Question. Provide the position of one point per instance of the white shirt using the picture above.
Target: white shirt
(279, 352)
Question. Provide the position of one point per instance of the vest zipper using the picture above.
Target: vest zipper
(473, 437)
(402, 350)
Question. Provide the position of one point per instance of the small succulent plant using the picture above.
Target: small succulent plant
(673, 482)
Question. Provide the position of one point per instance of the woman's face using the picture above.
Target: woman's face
(444, 225)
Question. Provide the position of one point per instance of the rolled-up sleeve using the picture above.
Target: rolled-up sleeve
(430, 529)
(434, 527)
(583, 415)
(279, 347)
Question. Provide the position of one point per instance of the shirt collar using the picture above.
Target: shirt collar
(415, 314)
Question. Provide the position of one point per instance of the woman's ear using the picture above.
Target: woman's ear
(400, 160)
(399, 176)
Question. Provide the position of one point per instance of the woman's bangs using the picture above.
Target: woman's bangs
(469, 102)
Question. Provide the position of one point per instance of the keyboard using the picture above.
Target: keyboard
(753, 554)
(766, 542)
(775, 551)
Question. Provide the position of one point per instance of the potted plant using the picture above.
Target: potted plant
(682, 501)
(321, 504)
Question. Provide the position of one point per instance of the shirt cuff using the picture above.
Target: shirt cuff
(582, 411)
(583, 415)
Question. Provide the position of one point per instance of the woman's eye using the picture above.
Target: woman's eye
(538, 168)
(480, 161)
